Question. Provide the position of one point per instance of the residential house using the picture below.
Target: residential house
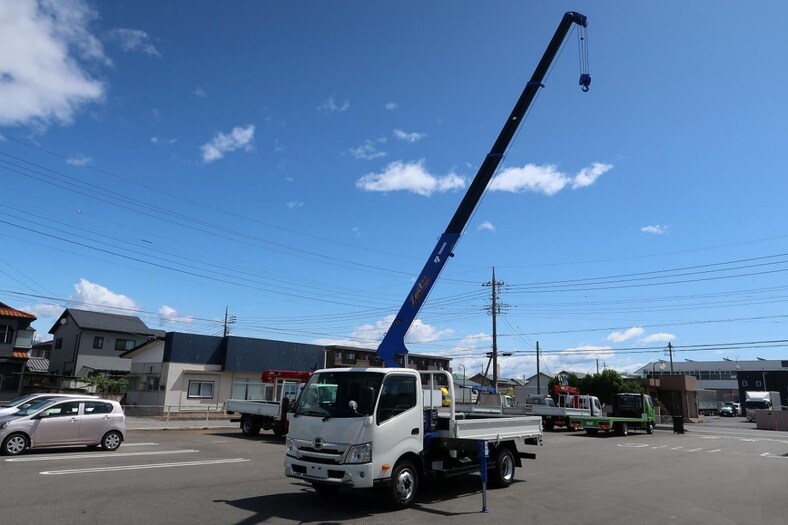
(86, 342)
(182, 372)
(16, 339)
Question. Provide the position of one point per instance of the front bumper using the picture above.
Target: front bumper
(350, 475)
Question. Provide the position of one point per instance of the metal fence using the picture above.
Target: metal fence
(175, 412)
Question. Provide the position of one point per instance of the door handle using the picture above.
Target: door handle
(414, 432)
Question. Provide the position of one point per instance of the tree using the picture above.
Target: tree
(606, 384)
(106, 384)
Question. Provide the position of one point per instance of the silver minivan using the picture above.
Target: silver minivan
(64, 422)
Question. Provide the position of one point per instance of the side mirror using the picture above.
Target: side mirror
(367, 400)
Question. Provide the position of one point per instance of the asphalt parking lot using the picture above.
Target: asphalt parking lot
(720, 472)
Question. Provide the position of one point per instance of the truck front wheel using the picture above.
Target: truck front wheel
(404, 485)
(503, 475)
(248, 427)
(649, 427)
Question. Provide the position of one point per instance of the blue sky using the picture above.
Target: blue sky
(295, 163)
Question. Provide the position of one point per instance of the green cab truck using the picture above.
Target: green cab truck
(630, 411)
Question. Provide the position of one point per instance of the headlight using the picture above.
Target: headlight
(359, 453)
(292, 450)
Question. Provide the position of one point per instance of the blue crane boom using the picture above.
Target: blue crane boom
(393, 343)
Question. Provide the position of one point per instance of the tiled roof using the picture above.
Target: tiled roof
(85, 319)
(7, 311)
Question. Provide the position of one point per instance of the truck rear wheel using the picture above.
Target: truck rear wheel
(248, 427)
(622, 429)
(404, 485)
(650, 427)
(503, 475)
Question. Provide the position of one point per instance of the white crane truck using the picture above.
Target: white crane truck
(369, 427)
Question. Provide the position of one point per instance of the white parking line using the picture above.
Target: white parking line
(694, 449)
(715, 450)
(770, 455)
(632, 445)
(102, 455)
(125, 444)
(141, 467)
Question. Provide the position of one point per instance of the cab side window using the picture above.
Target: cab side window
(397, 396)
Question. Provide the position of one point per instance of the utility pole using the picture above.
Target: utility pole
(538, 375)
(494, 312)
(227, 322)
(597, 365)
(670, 351)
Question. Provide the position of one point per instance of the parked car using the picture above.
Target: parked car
(727, 410)
(737, 407)
(14, 405)
(56, 422)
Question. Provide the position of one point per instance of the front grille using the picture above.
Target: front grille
(327, 454)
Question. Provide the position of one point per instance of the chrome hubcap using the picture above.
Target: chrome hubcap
(405, 484)
(15, 445)
(112, 441)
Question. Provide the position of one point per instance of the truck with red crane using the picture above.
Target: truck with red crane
(271, 414)
(374, 427)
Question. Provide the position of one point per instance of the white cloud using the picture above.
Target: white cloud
(79, 160)
(625, 335)
(330, 106)
(169, 315)
(161, 140)
(400, 176)
(295, 204)
(391, 106)
(587, 176)
(367, 151)
(200, 92)
(45, 50)
(408, 137)
(356, 231)
(369, 335)
(656, 229)
(587, 352)
(45, 310)
(486, 226)
(545, 179)
(662, 337)
(133, 40)
(238, 138)
(97, 297)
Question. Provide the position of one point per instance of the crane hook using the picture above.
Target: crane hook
(585, 81)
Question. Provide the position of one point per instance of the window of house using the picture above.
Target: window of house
(744, 383)
(58, 343)
(349, 358)
(98, 342)
(6, 334)
(200, 389)
(152, 383)
(248, 389)
(757, 383)
(125, 344)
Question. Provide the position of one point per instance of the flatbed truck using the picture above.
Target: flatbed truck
(630, 411)
(370, 427)
(255, 415)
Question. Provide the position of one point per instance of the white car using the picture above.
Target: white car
(64, 422)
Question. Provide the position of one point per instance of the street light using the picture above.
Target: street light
(463, 380)
(661, 367)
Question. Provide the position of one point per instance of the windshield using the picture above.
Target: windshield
(328, 394)
(17, 401)
(35, 407)
(757, 404)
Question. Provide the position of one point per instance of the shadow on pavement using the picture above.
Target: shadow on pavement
(306, 506)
